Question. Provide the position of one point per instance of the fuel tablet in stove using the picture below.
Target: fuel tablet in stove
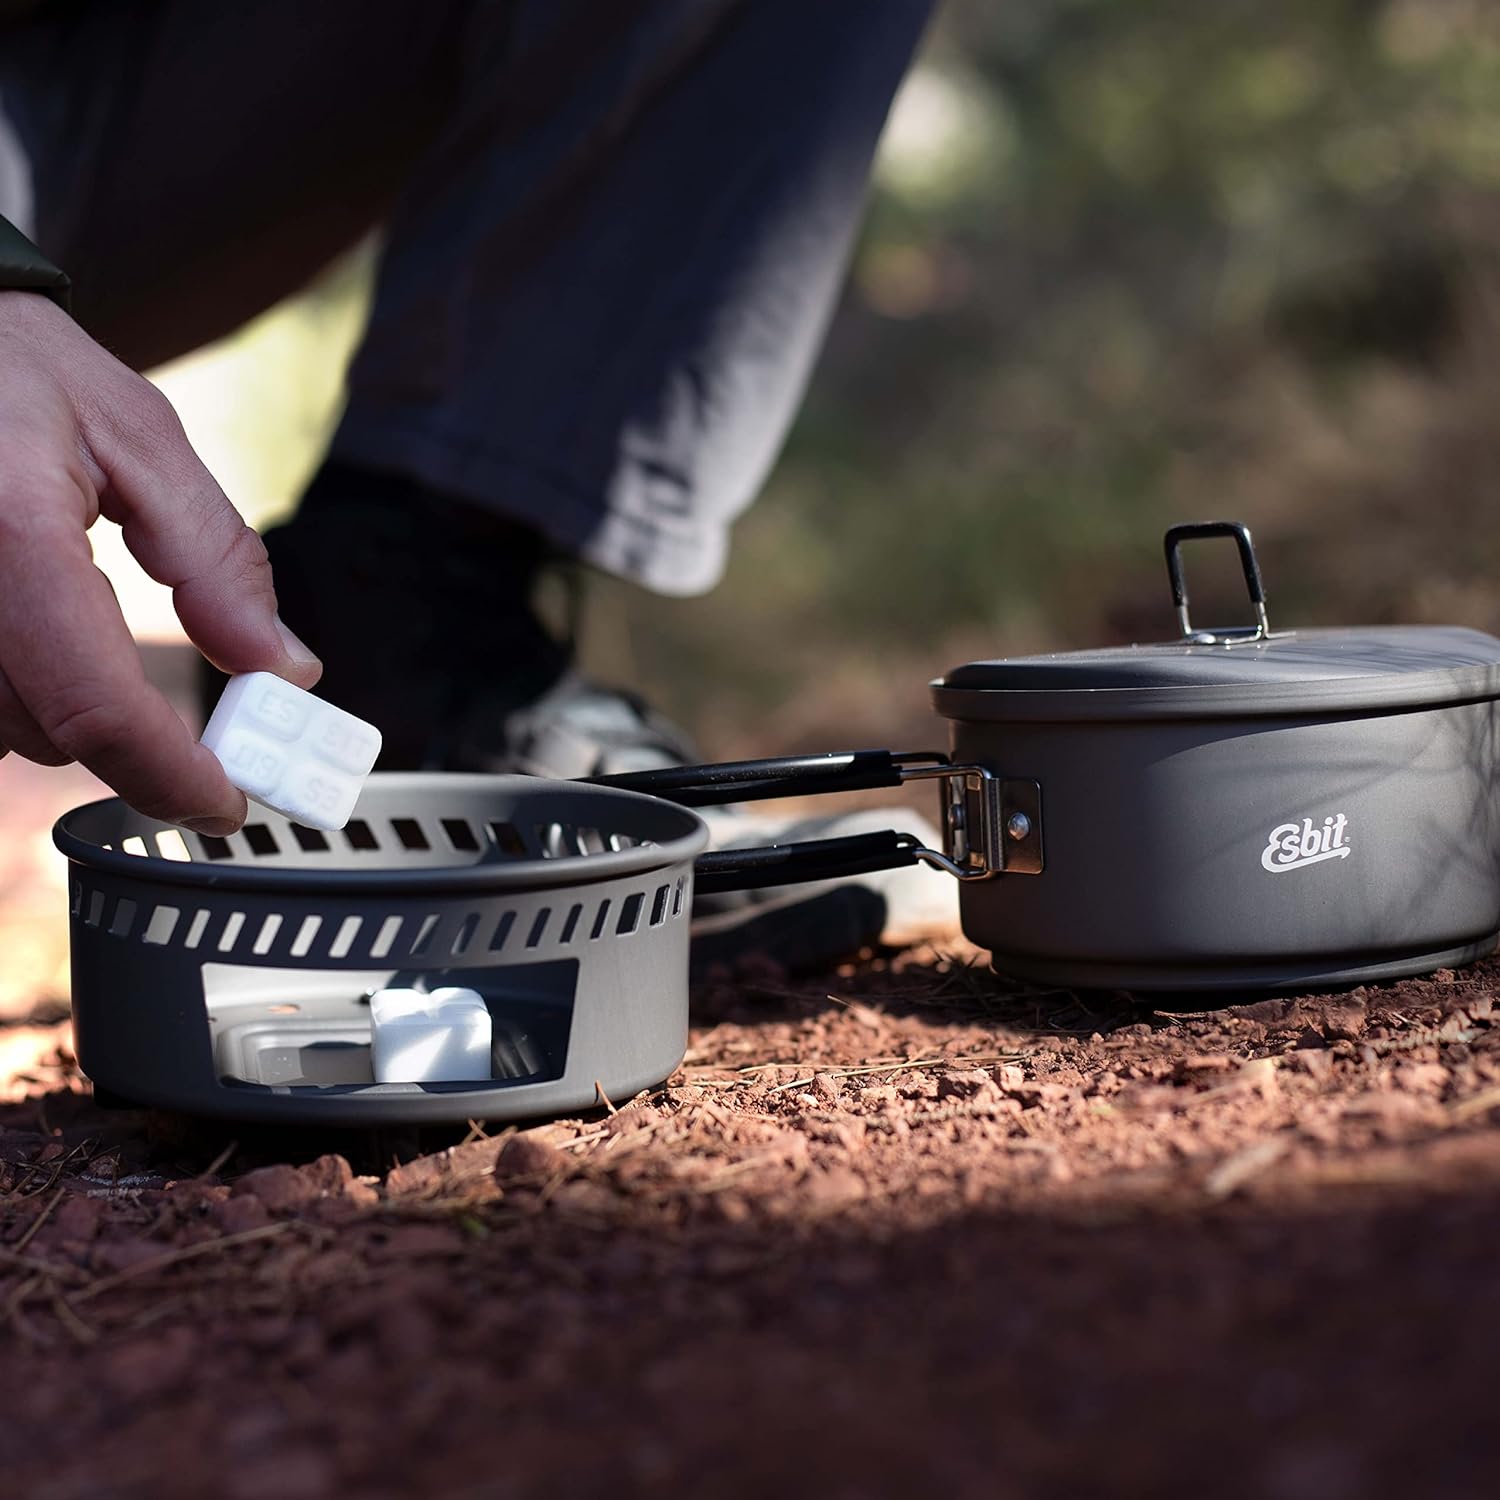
(442, 1037)
(290, 751)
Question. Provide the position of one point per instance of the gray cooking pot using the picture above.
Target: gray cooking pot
(1244, 809)
(1234, 809)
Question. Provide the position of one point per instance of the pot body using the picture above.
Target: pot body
(1247, 852)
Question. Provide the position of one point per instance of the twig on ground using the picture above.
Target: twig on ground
(53, 1169)
(625, 1142)
(743, 1071)
(178, 1256)
(165, 1307)
(69, 1318)
(21, 1293)
(1241, 1167)
(720, 1180)
(220, 1161)
(1441, 1037)
(38, 1267)
(37, 1222)
(27, 1329)
(585, 1140)
(901, 1067)
(1476, 1104)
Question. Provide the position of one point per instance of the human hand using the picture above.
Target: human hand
(83, 436)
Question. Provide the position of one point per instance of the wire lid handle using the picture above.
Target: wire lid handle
(1195, 531)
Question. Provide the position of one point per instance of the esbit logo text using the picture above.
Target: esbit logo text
(1293, 845)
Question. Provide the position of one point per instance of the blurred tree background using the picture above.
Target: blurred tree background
(1130, 262)
(1127, 262)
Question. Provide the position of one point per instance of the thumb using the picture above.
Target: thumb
(182, 529)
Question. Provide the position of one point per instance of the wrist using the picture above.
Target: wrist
(23, 267)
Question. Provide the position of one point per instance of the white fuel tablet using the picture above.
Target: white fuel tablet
(290, 751)
(443, 1037)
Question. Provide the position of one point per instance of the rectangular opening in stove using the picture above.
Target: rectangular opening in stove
(308, 1029)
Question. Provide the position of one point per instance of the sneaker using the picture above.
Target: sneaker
(411, 600)
(575, 729)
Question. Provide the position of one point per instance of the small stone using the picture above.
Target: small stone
(524, 1158)
(631, 1118)
(1344, 1022)
(1425, 1078)
(832, 1187)
(967, 1084)
(236, 1215)
(1315, 1063)
(112, 1256)
(1261, 1012)
(1259, 1074)
(196, 1196)
(765, 1139)
(1034, 1095)
(828, 1086)
(284, 1189)
(76, 1219)
(585, 1197)
(332, 1177)
(1208, 1062)
(277, 1187)
(423, 1174)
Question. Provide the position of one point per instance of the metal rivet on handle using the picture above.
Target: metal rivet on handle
(1018, 826)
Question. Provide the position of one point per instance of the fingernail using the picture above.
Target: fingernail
(213, 828)
(297, 650)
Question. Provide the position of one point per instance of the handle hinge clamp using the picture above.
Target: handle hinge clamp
(991, 825)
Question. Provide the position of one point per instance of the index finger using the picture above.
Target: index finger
(184, 532)
(71, 660)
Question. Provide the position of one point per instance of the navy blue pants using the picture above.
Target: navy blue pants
(613, 230)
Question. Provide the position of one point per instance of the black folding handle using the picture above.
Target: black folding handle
(788, 776)
(812, 859)
(757, 780)
(1194, 531)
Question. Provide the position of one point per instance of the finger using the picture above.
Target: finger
(21, 733)
(184, 532)
(74, 669)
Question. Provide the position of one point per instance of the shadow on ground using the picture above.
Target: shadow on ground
(889, 1231)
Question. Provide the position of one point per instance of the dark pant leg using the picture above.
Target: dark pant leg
(605, 287)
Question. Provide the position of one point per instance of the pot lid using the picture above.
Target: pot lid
(1247, 671)
(1312, 671)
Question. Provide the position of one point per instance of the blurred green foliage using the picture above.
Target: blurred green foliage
(1128, 262)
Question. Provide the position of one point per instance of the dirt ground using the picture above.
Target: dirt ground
(895, 1229)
